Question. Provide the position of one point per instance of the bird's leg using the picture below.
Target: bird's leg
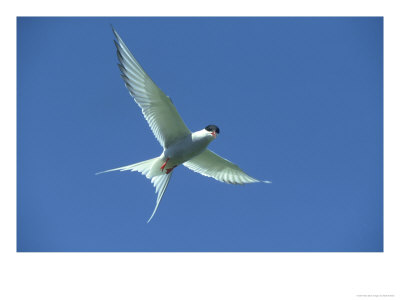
(169, 170)
(164, 164)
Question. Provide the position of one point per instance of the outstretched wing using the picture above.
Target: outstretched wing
(157, 108)
(212, 165)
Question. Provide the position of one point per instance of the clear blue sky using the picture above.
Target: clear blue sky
(299, 101)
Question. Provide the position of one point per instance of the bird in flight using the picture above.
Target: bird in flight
(180, 145)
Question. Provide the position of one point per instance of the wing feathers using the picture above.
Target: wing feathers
(212, 165)
(157, 108)
(168, 127)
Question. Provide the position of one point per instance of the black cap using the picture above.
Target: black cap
(212, 128)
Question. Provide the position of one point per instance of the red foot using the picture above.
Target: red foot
(164, 164)
(169, 170)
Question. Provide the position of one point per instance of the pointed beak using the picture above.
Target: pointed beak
(214, 134)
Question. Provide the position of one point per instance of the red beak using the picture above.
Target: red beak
(214, 134)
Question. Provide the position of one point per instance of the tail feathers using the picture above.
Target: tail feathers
(160, 183)
(143, 167)
(151, 169)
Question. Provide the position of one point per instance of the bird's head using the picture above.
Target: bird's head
(212, 130)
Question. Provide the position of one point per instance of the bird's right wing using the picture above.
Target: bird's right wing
(212, 165)
(157, 108)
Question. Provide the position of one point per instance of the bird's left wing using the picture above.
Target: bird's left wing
(157, 108)
(212, 165)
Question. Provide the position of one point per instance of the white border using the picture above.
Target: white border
(198, 275)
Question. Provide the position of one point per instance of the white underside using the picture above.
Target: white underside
(180, 145)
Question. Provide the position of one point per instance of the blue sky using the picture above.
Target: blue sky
(299, 101)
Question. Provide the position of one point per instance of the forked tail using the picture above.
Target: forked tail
(146, 167)
(151, 169)
(160, 183)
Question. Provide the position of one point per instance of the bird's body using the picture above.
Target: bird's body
(180, 145)
(187, 148)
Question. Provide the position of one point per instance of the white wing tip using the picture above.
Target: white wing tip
(266, 181)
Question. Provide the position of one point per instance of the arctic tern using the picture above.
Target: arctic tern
(180, 145)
